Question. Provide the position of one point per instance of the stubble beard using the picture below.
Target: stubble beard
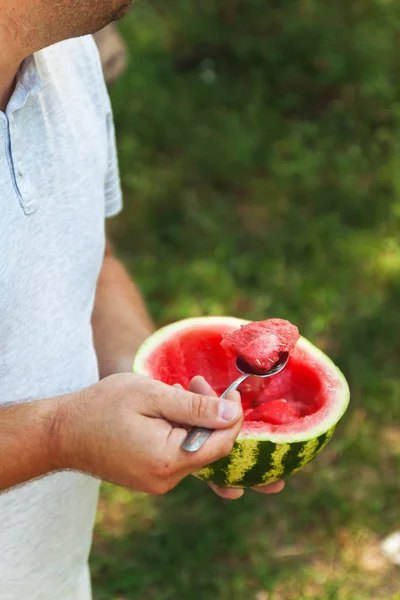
(122, 11)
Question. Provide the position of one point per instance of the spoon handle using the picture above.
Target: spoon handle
(198, 436)
(234, 385)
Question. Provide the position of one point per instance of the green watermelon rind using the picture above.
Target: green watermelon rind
(259, 458)
(262, 462)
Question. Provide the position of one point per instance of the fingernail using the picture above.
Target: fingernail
(228, 411)
(178, 385)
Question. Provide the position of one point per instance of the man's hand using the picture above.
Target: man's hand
(123, 430)
(200, 386)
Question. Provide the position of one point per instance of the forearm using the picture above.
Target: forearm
(120, 319)
(25, 431)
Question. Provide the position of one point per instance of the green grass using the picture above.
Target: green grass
(260, 160)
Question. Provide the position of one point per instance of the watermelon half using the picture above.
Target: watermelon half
(311, 386)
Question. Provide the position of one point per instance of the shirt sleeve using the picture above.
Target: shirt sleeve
(112, 184)
(112, 191)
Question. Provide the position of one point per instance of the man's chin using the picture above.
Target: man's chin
(121, 12)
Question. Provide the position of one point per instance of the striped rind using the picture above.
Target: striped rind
(255, 463)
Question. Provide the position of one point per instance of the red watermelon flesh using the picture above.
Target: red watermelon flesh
(277, 412)
(261, 343)
(289, 396)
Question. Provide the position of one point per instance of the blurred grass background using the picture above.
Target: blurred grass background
(260, 158)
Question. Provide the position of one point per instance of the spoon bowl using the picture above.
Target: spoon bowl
(246, 369)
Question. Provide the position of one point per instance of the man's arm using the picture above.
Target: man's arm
(120, 318)
(118, 430)
(24, 434)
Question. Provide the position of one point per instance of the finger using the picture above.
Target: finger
(174, 424)
(189, 408)
(200, 386)
(227, 493)
(272, 488)
(218, 445)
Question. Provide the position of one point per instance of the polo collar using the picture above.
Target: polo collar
(28, 83)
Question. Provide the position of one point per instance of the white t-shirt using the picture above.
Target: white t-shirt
(58, 181)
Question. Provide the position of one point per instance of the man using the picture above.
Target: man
(70, 314)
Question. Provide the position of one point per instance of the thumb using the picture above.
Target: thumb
(200, 407)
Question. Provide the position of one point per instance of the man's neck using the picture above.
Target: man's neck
(7, 83)
(10, 60)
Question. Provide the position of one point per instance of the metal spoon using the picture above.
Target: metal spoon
(197, 436)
